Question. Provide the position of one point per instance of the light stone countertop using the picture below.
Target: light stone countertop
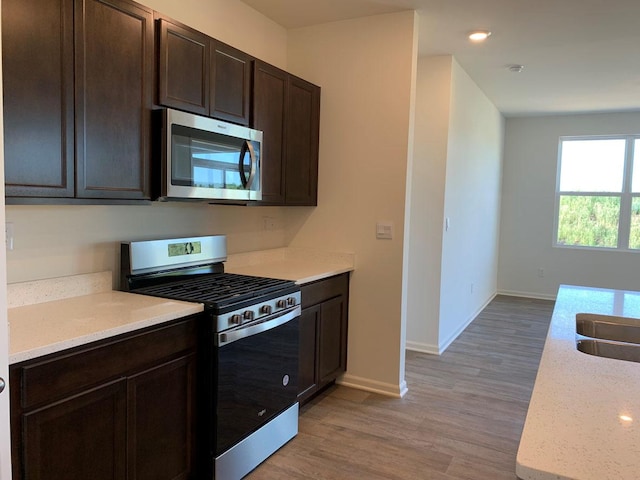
(300, 265)
(51, 315)
(583, 420)
(61, 321)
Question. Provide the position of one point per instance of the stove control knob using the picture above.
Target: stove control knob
(248, 315)
(281, 303)
(291, 301)
(266, 309)
(235, 319)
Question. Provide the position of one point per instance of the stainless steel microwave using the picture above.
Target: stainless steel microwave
(207, 159)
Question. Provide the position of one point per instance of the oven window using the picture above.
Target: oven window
(206, 159)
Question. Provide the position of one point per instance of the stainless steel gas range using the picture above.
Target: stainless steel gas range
(248, 360)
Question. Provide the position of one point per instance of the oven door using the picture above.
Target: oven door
(256, 375)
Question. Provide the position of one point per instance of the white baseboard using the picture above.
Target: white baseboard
(539, 296)
(439, 349)
(444, 345)
(422, 347)
(374, 386)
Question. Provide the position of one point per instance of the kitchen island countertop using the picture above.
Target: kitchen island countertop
(583, 420)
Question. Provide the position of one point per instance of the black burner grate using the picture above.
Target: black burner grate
(220, 290)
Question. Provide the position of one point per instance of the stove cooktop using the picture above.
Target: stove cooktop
(221, 292)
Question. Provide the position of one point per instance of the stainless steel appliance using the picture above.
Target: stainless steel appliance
(248, 363)
(207, 159)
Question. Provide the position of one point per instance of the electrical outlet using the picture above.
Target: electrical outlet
(541, 272)
(269, 223)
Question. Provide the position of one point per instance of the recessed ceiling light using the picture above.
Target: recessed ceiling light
(479, 35)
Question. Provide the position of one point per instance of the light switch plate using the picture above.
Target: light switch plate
(384, 230)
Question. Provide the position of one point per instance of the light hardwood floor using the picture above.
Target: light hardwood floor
(461, 419)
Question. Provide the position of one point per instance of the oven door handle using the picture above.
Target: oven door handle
(268, 323)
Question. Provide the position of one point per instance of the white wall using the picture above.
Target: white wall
(366, 70)
(426, 202)
(472, 203)
(52, 241)
(456, 173)
(531, 154)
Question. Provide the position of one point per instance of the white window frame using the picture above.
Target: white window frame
(626, 195)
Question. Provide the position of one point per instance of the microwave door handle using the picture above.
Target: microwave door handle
(254, 164)
(243, 177)
(247, 147)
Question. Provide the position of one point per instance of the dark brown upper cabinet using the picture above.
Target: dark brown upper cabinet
(201, 75)
(183, 68)
(302, 134)
(114, 95)
(230, 88)
(37, 59)
(269, 99)
(287, 110)
(78, 79)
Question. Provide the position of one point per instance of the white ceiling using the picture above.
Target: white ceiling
(579, 55)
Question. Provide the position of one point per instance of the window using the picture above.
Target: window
(598, 192)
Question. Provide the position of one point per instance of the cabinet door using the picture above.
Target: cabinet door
(332, 331)
(230, 90)
(83, 436)
(308, 367)
(161, 423)
(37, 56)
(269, 93)
(302, 139)
(183, 68)
(114, 79)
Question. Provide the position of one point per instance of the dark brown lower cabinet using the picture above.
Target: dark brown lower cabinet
(83, 436)
(161, 421)
(323, 334)
(308, 366)
(118, 409)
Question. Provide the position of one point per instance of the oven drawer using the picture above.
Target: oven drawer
(62, 374)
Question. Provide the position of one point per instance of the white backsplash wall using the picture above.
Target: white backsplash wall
(54, 241)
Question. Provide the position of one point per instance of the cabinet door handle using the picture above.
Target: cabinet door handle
(2, 385)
